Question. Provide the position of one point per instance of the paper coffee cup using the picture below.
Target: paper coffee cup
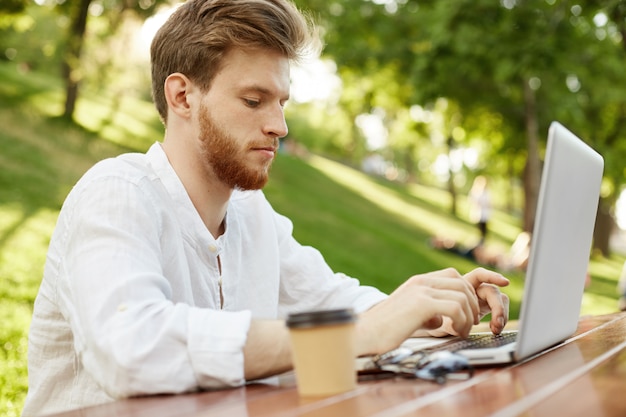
(323, 351)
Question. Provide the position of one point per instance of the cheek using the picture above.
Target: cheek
(241, 124)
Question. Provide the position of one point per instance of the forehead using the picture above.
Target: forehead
(254, 68)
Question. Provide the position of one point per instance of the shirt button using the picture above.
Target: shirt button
(212, 248)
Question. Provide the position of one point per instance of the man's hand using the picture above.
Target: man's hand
(486, 286)
(491, 300)
(437, 303)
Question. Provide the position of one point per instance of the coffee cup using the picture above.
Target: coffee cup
(323, 351)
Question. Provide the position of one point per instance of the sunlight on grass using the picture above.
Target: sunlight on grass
(91, 112)
(503, 229)
(435, 223)
(13, 377)
(49, 103)
(606, 267)
(429, 194)
(10, 216)
(23, 243)
(600, 298)
(130, 123)
(389, 201)
(594, 304)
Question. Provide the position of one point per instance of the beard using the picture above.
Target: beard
(226, 156)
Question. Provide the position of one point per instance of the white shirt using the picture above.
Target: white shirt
(130, 299)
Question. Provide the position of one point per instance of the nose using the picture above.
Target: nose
(276, 126)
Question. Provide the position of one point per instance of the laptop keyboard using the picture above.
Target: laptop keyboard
(478, 341)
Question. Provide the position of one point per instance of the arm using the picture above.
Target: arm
(267, 350)
(129, 296)
(442, 301)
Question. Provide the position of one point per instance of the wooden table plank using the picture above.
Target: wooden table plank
(514, 390)
(584, 376)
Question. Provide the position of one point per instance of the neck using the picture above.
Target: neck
(209, 196)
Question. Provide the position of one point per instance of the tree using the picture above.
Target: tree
(70, 68)
(114, 11)
(521, 59)
(12, 6)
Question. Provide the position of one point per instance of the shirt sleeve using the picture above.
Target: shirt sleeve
(128, 332)
(309, 283)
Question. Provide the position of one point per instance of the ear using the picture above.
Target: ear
(177, 90)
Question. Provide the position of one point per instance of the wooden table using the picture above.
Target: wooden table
(584, 376)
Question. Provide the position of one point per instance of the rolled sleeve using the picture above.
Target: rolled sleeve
(216, 341)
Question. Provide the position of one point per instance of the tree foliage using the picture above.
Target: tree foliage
(114, 11)
(11, 7)
(525, 62)
(506, 68)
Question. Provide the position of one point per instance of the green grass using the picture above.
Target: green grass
(39, 162)
(366, 227)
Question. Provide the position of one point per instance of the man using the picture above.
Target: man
(170, 272)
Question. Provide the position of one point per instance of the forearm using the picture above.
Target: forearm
(378, 330)
(202, 349)
(267, 350)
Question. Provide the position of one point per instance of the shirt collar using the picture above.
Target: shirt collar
(187, 213)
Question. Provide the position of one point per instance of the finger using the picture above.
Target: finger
(451, 282)
(497, 303)
(445, 273)
(434, 322)
(472, 298)
(450, 272)
(455, 306)
(497, 322)
(502, 320)
(480, 276)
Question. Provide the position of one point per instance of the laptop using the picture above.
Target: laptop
(559, 255)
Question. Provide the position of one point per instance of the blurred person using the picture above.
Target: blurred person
(480, 206)
(170, 272)
(515, 259)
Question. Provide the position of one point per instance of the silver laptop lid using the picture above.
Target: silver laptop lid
(561, 242)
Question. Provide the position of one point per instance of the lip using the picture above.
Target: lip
(269, 147)
(269, 150)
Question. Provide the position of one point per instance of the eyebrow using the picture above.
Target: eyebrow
(260, 89)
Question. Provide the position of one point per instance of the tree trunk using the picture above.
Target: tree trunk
(71, 61)
(409, 164)
(451, 187)
(604, 227)
(510, 201)
(532, 171)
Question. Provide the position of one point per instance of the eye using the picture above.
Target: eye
(251, 102)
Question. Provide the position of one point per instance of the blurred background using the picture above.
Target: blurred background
(408, 103)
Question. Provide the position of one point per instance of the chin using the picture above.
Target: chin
(252, 184)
